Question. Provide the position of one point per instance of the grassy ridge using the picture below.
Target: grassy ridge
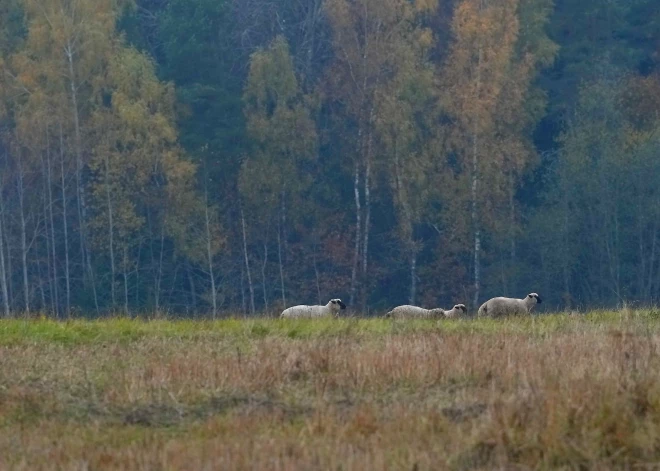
(123, 329)
(547, 392)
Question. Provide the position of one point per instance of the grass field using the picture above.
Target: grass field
(547, 392)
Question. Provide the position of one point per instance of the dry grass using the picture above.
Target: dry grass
(558, 392)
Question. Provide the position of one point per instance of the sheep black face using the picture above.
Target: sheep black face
(339, 303)
(534, 295)
(461, 307)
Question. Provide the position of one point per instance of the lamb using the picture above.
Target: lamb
(303, 311)
(414, 312)
(498, 307)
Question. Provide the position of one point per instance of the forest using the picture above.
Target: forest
(213, 157)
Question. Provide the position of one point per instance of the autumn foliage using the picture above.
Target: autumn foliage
(204, 156)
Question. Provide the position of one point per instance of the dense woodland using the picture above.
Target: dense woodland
(206, 157)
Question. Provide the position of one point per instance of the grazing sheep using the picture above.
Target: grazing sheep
(414, 312)
(304, 311)
(498, 307)
(456, 311)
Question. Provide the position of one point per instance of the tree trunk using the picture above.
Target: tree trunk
(243, 301)
(191, 283)
(358, 227)
(159, 274)
(365, 245)
(24, 248)
(42, 292)
(263, 277)
(126, 280)
(51, 220)
(136, 270)
(512, 221)
(78, 150)
(82, 209)
(9, 269)
(413, 277)
(209, 255)
(475, 191)
(247, 264)
(565, 262)
(49, 250)
(111, 230)
(3, 271)
(648, 285)
(316, 274)
(280, 229)
(67, 272)
(407, 221)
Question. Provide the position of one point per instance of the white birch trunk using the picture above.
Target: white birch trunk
(24, 248)
(209, 255)
(247, 264)
(358, 228)
(51, 220)
(67, 271)
(3, 271)
(111, 230)
(475, 191)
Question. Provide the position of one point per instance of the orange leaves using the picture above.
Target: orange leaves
(426, 5)
(642, 100)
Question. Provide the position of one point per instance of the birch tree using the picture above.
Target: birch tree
(366, 38)
(487, 80)
(273, 177)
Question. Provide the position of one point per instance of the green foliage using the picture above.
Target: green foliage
(199, 55)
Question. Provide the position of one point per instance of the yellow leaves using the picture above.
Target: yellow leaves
(279, 123)
(426, 5)
(271, 78)
(425, 37)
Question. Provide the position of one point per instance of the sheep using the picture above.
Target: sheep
(456, 311)
(414, 312)
(498, 307)
(304, 311)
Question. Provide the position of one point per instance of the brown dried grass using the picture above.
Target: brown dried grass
(583, 397)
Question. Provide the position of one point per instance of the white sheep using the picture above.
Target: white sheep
(304, 311)
(456, 311)
(498, 307)
(414, 312)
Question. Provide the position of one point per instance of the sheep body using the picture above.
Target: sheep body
(308, 312)
(498, 307)
(414, 312)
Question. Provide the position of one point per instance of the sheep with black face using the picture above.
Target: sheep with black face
(415, 312)
(500, 307)
(457, 311)
(303, 311)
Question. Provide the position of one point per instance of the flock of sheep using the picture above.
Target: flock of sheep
(495, 307)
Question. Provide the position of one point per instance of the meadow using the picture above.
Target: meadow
(545, 392)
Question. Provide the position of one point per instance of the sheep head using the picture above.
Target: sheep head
(460, 307)
(336, 304)
(534, 295)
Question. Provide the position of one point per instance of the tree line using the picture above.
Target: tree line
(239, 156)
